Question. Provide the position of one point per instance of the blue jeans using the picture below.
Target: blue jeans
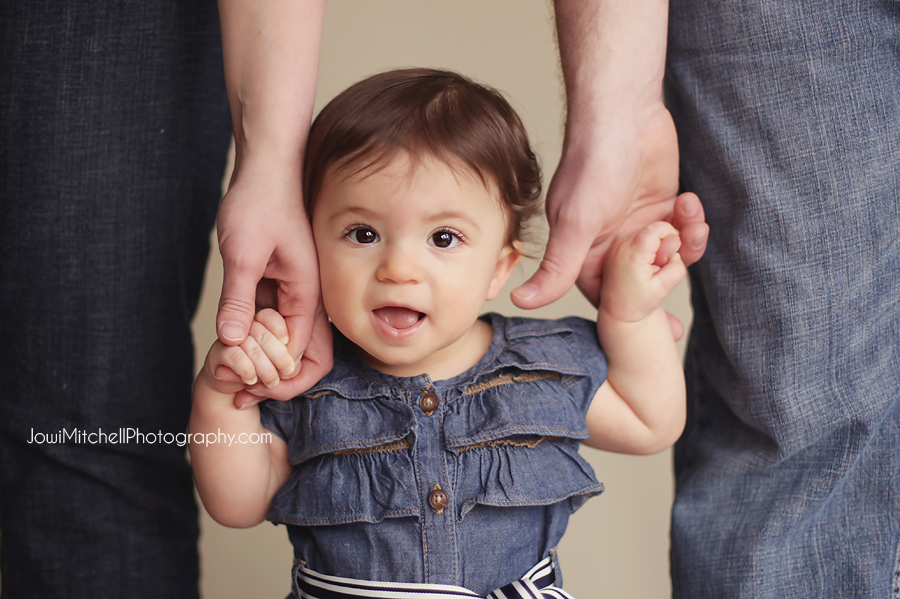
(788, 475)
(114, 131)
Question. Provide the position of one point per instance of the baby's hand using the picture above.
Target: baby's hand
(640, 270)
(262, 357)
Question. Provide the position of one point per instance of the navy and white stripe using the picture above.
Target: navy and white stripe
(536, 584)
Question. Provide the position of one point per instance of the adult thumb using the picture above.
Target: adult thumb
(556, 273)
(237, 304)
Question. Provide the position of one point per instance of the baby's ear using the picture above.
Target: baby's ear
(508, 260)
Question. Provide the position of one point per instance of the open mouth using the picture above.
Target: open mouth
(397, 317)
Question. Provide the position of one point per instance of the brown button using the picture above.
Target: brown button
(428, 402)
(438, 499)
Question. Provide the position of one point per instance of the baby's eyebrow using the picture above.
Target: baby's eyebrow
(435, 218)
(454, 215)
(351, 209)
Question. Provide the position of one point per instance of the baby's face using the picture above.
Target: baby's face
(408, 255)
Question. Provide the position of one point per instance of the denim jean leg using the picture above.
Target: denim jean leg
(114, 131)
(788, 475)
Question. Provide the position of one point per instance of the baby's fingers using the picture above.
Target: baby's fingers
(668, 247)
(238, 361)
(655, 244)
(659, 243)
(275, 323)
(671, 273)
(263, 367)
(274, 350)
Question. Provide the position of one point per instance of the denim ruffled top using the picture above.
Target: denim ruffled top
(468, 481)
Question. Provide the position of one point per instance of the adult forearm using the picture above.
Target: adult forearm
(619, 167)
(613, 58)
(271, 53)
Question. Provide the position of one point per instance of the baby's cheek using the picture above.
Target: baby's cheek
(335, 304)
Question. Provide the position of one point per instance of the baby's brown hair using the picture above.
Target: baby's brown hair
(431, 112)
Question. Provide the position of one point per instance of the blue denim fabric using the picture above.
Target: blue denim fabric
(114, 132)
(502, 442)
(788, 475)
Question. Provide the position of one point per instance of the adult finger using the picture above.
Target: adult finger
(689, 218)
(557, 272)
(237, 304)
(294, 268)
(676, 326)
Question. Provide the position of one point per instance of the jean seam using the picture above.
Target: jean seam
(456, 444)
(337, 447)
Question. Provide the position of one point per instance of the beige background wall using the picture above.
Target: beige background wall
(617, 545)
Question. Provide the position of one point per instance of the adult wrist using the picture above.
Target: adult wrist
(259, 142)
(269, 159)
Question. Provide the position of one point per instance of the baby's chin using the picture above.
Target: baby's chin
(396, 363)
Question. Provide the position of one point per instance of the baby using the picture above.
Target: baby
(439, 458)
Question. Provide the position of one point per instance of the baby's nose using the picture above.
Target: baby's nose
(399, 265)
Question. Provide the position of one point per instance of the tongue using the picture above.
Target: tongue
(399, 318)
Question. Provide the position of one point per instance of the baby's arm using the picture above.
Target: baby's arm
(238, 464)
(641, 407)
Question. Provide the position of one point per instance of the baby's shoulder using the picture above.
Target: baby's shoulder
(567, 345)
(523, 328)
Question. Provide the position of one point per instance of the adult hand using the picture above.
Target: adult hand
(271, 56)
(316, 362)
(619, 178)
(266, 245)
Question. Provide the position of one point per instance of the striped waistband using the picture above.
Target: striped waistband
(536, 584)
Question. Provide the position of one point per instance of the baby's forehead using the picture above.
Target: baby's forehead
(405, 165)
(406, 168)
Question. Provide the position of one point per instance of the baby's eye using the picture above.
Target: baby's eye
(362, 234)
(445, 239)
